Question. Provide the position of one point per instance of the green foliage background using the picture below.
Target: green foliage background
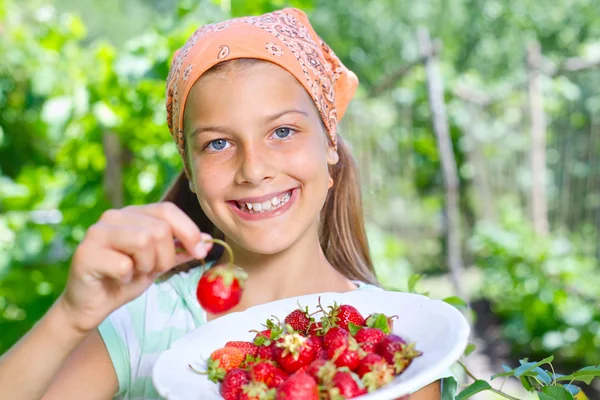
(72, 70)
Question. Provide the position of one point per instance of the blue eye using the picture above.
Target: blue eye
(283, 133)
(218, 144)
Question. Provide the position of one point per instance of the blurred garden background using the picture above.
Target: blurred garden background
(476, 127)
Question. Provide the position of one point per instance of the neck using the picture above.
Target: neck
(298, 270)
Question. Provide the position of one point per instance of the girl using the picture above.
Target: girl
(253, 105)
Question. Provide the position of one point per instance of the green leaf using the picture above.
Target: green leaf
(353, 328)
(469, 349)
(472, 389)
(379, 321)
(586, 374)
(456, 301)
(528, 366)
(527, 383)
(508, 371)
(412, 282)
(556, 393)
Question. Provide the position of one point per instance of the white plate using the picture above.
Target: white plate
(439, 330)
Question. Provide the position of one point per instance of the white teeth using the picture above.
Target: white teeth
(274, 203)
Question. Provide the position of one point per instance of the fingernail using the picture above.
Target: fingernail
(200, 250)
(205, 237)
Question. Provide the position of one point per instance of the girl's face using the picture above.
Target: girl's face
(258, 156)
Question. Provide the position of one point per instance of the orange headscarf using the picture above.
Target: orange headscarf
(283, 37)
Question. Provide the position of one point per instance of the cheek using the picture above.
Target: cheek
(307, 166)
(210, 181)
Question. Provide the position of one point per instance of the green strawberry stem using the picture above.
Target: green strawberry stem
(196, 371)
(216, 241)
(226, 246)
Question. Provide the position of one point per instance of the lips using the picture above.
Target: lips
(263, 204)
(248, 209)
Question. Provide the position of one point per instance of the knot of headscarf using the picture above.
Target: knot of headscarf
(285, 38)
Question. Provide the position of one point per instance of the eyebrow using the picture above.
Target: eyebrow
(225, 130)
(284, 112)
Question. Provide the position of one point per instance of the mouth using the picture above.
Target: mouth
(267, 205)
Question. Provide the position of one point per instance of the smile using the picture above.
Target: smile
(263, 207)
(267, 205)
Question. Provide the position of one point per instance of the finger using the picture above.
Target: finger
(104, 263)
(133, 241)
(181, 224)
(160, 232)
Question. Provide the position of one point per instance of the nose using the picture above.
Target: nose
(255, 166)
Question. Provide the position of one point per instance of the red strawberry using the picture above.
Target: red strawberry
(368, 338)
(375, 372)
(265, 352)
(300, 386)
(346, 314)
(221, 361)
(397, 352)
(321, 355)
(248, 348)
(342, 316)
(345, 385)
(293, 351)
(315, 329)
(233, 382)
(314, 367)
(268, 374)
(323, 371)
(317, 342)
(335, 337)
(348, 355)
(265, 340)
(256, 391)
(367, 363)
(299, 320)
(220, 288)
(267, 336)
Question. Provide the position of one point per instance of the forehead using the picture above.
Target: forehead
(246, 87)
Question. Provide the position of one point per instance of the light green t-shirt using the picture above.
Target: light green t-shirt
(138, 332)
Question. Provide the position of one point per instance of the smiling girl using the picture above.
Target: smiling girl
(253, 105)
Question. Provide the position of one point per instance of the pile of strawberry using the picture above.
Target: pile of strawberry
(341, 356)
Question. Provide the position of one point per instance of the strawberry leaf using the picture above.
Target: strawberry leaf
(473, 389)
(379, 321)
(353, 328)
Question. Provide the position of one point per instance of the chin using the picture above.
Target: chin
(265, 243)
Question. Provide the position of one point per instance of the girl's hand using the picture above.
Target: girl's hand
(121, 256)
